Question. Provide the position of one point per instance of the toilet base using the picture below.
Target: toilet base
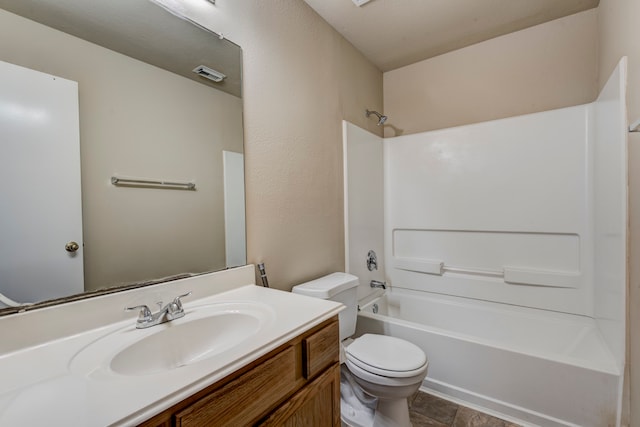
(392, 413)
(389, 413)
(355, 416)
(359, 409)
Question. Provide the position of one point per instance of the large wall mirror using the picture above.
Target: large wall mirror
(120, 165)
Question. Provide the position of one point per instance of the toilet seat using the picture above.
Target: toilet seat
(351, 361)
(386, 356)
(391, 381)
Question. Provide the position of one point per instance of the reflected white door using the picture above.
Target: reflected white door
(40, 205)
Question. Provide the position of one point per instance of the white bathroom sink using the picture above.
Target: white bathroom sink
(203, 332)
(181, 344)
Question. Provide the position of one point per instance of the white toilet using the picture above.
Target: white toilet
(387, 369)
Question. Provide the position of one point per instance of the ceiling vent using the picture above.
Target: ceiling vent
(360, 2)
(209, 73)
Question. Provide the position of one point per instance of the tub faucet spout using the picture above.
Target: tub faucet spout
(378, 284)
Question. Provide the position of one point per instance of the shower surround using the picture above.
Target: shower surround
(522, 222)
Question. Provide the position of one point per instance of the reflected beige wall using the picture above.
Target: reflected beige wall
(548, 66)
(619, 35)
(140, 121)
(301, 78)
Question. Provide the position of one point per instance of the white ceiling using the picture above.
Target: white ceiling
(395, 33)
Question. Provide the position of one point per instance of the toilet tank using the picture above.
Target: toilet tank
(339, 287)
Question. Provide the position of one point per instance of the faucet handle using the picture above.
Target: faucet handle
(145, 314)
(174, 309)
(177, 301)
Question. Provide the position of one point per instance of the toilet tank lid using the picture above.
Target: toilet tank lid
(327, 286)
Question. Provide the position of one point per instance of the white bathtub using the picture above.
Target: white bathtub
(539, 367)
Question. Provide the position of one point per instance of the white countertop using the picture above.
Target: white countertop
(38, 387)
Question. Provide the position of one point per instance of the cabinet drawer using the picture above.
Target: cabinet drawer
(321, 350)
(245, 399)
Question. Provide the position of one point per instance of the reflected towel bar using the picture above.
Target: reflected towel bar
(635, 126)
(167, 184)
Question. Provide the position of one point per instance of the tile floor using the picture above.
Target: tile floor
(430, 411)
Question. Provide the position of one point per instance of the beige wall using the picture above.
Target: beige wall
(300, 79)
(548, 66)
(619, 35)
(137, 120)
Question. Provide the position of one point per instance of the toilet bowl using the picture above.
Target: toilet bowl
(381, 371)
(389, 368)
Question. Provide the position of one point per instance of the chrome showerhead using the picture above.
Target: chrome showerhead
(381, 118)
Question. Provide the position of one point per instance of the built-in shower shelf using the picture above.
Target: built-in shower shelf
(555, 279)
(513, 275)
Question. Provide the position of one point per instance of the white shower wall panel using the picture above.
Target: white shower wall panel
(610, 209)
(364, 204)
(497, 211)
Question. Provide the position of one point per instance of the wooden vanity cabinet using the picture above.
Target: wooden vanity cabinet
(298, 384)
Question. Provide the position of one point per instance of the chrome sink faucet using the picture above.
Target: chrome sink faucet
(169, 312)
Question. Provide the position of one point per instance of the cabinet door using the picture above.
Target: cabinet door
(316, 405)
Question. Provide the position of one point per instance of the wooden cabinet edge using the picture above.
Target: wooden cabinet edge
(320, 350)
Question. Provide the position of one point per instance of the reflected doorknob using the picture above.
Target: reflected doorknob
(71, 247)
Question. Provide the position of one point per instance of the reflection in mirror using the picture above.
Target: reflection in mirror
(91, 91)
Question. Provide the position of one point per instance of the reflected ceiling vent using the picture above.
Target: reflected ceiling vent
(209, 73)
(360, 2)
